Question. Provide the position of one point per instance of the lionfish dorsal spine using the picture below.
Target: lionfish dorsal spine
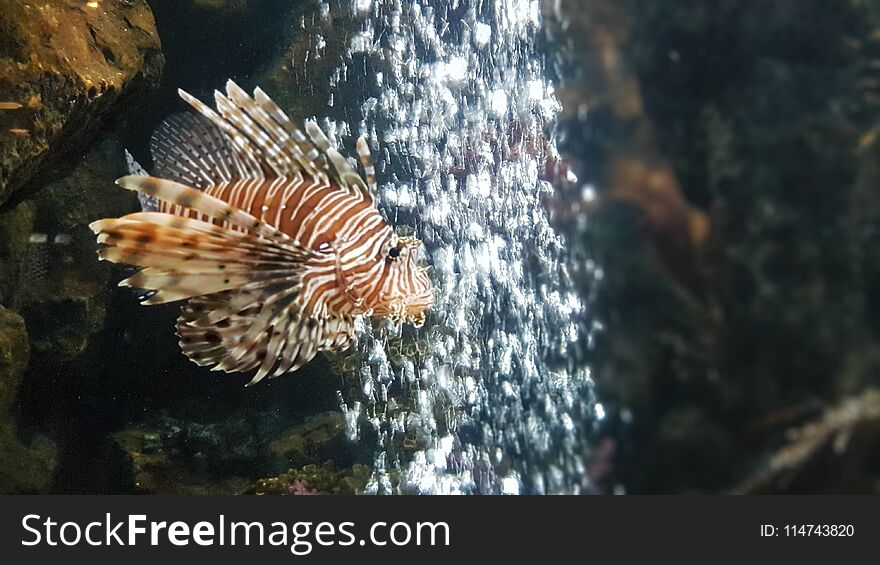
(249, 157)
(363, 151)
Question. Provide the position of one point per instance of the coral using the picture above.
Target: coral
(170, 456)
(836, 453)
(72, 67)
(320, 436)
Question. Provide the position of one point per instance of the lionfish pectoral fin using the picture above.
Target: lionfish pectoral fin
(338, 333)
(266, 329)
(185, 258)
(272, 334)
(250, 333)
(296, 339)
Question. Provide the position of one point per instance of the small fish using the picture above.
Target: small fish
(10, 106)
(267, 232)
(20, 132)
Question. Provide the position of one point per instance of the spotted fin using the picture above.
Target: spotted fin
(272, 336)
(206, 346)
(184, 257)
(212, 343)
(187, 197)
(242, 311)
(195, 258)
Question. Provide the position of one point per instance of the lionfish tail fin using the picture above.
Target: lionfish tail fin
(148, 203)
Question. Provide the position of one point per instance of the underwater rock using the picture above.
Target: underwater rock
(865, 211)
(605, 117)
(318, 438)
(315, 480)
(58, 286)
(232, 6)
(14, 355)
(72, 66)
(15, 230)
(63, 286)
(172, 456)
(23, 468)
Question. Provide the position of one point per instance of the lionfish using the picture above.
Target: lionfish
(267, 232)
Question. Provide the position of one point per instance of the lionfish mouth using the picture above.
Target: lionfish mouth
(412, 303)
(409, 307)
(416, 306)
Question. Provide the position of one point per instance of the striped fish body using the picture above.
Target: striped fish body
(271, 237)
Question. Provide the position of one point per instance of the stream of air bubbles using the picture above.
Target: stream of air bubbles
(490, 396)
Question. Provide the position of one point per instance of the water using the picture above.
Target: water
(492, 395)
(692, 312)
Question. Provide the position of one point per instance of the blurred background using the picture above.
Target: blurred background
(733, 146)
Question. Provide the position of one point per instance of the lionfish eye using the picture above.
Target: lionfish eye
(394, 252)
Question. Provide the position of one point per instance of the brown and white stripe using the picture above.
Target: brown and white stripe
(268, 232)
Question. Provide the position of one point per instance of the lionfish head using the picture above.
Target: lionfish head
(408, 289)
